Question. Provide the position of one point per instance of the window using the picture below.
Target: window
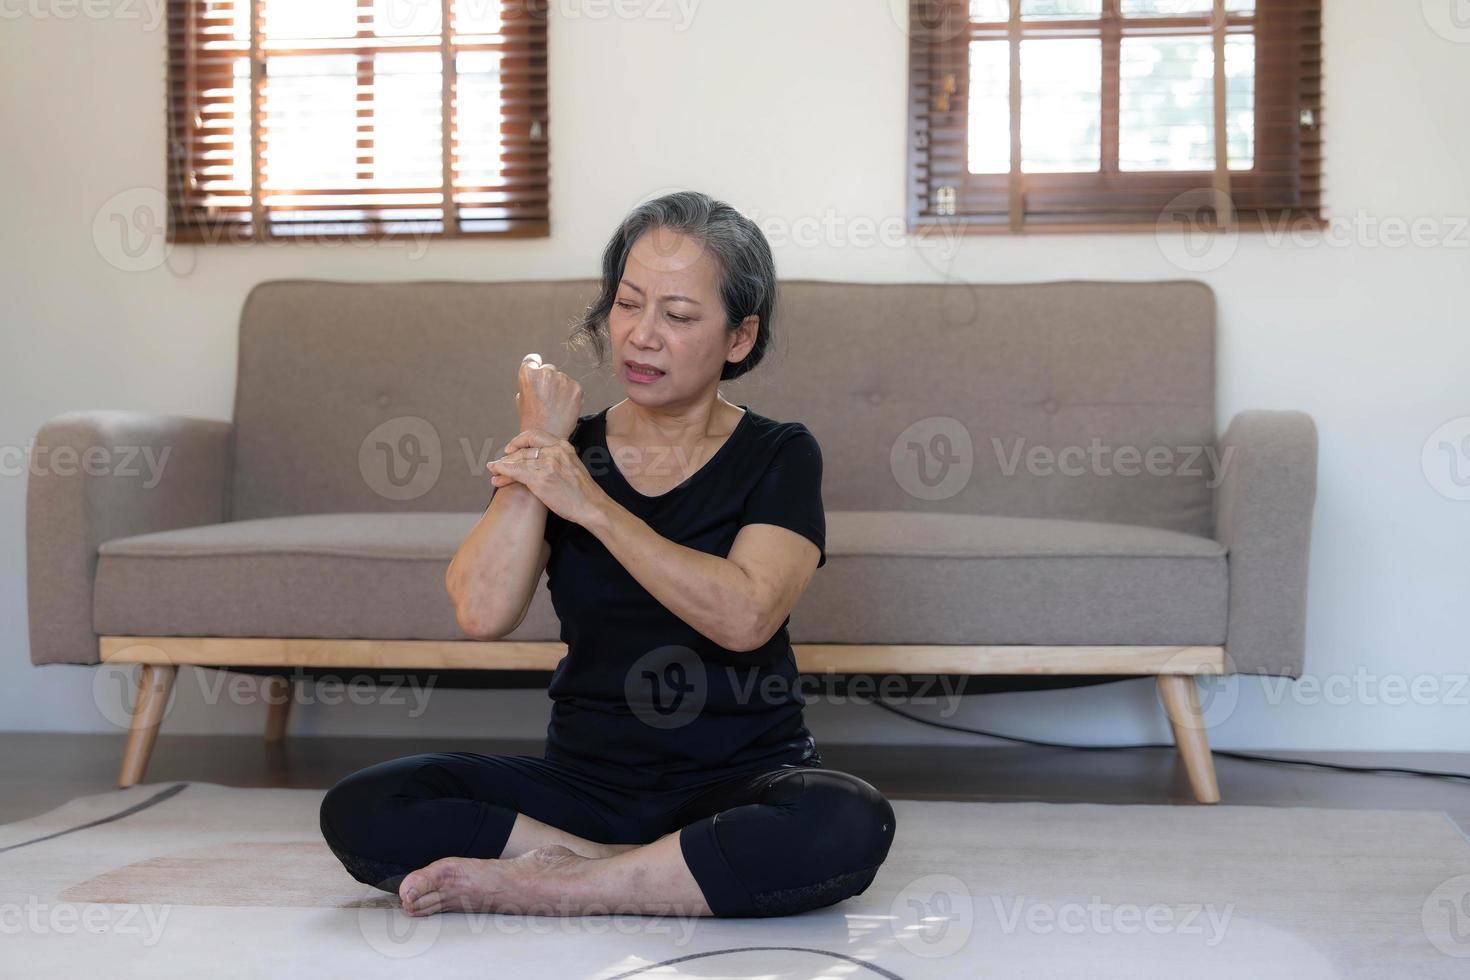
(356, 118)
(1082, 115)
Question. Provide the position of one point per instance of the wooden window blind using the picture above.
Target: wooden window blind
(1086, 115)
(356, 118)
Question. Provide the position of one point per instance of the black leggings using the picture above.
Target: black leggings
(767, 842)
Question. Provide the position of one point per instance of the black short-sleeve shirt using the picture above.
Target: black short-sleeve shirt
(641, 696)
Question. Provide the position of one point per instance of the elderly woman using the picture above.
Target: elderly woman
(678, 531)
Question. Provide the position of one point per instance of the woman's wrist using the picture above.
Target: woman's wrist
(601, 513)
(546, 426)
(520, 495)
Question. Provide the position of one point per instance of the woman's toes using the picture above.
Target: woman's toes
(412, 886)
(428, 889)
(488, 885)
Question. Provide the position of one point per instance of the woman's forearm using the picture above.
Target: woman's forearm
(710, 593)
(495, 570)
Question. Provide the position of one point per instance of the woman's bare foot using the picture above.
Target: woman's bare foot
(586, 848)
(518, 884)
(528, 833)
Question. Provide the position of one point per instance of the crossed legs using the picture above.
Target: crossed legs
(467, 832)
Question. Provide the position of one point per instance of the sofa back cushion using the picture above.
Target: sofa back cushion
(1085, 400)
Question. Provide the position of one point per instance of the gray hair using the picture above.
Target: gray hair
(747, 270)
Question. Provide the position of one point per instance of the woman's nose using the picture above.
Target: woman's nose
(644, 330)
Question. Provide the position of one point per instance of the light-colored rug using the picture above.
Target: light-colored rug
(200, 879)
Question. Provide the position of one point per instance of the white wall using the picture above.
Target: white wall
(795, 112)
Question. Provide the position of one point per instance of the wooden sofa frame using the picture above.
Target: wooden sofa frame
(1174, 667)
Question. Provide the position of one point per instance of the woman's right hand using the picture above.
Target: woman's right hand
(548, 399)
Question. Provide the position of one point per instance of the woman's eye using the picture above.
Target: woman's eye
(625, 304)
(679, 319)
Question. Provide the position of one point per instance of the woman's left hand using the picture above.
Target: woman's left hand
(550, 468)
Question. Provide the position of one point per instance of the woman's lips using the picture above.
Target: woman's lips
(639, 376)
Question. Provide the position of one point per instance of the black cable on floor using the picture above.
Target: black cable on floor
(1169, 745)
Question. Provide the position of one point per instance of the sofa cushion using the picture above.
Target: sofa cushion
(891, 577)
(348, 575)
(900, 577)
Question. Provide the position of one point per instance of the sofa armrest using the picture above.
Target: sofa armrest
(99, 475)
(1263, 516)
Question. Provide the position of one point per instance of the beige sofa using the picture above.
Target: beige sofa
(1019, 480)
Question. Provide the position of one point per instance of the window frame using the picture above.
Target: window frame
(198, 61)
(1288, 129)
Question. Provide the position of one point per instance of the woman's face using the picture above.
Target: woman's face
(668, 315)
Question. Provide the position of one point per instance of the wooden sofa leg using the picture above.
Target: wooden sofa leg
(278, 695)
(1181, 702)
(155, 681)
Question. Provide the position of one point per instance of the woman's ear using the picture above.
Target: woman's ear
(742, 339)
